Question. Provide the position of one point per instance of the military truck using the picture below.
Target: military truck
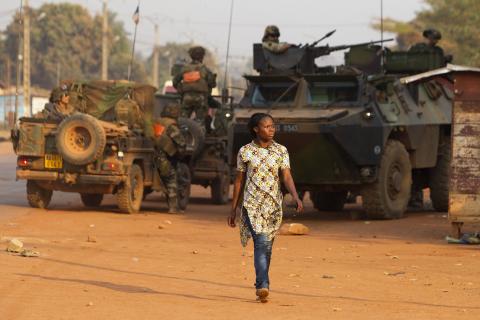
(103, 148)
(209, 162)
(357, 128)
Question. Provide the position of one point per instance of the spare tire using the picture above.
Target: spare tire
(194, 135)
(80, 139)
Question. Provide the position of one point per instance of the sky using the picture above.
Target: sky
(206, 21)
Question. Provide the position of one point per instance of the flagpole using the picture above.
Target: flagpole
(136, 19)
(133, 53)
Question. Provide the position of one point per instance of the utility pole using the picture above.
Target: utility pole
(156, 52)
(26, 60)
(105, 42)
(18, 62)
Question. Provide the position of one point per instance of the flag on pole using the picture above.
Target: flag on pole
(136, 15)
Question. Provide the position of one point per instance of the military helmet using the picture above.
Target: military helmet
(271, 30)
(432, 34)
(197, 53)
(57, 93)
(171, 110)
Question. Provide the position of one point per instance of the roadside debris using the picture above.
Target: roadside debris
(294, 229)
(15, 246)
(467, 238)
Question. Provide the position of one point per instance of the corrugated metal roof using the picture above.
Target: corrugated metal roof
(450, 68)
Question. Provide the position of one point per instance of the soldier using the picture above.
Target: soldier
(195, 83)
(169, 146)
(433, 36)
(270, 40)
(58, 107)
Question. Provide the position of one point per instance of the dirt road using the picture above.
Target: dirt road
(190, 266)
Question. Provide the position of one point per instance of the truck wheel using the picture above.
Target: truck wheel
(80, 139)
(328, 201)
(130, 193)
(37, 196)
(194, 135)
(91, 200)
(439, 178)
(184, 181)
(388, 197)
(220, 187)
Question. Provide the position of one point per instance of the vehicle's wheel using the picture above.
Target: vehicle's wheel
(220, 187)
(194, 135)
(387, 198)
(91, 200)
(37, 196)
(130, 193)
(328, 201)
(184, 181)
(80, 139)
(439, 177)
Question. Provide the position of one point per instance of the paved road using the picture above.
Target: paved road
(191, 266)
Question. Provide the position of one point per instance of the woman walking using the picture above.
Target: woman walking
(261, 166)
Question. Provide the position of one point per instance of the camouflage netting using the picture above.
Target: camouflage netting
(118, 101)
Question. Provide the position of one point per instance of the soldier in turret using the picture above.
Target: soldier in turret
(271, 42)
(195, 82)
(169, 146)
(433, 37)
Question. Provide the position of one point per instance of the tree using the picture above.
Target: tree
(458, 22)
(66, 43)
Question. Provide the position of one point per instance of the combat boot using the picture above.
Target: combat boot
(172, 205)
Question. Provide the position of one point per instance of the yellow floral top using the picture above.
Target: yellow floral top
(262, 196)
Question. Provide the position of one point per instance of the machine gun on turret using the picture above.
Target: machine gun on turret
(300, 59)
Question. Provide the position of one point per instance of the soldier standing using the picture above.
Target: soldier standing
(58, 107)
(195, 82)
(169, 146)
(271, 42)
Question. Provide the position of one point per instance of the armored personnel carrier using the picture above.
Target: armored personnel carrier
(358, 128)
(103, 148)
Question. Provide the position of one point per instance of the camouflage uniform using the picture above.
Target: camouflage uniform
(433, 36)
(169, 145)
(55, 109)
(270, 40)
(195, 83)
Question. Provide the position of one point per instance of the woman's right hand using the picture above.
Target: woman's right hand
(231, 219)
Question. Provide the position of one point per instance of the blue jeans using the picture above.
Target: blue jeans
(262, 254)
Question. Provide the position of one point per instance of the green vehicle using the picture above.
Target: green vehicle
(209, 162)
(101, 149)
(358, 129)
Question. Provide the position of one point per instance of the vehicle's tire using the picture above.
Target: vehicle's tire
(184, 181)
(91, 200)
(220, 187)
(194, 135)
(80, 139)
(328, 201)
(130, 193)
(439, 177)
(387, 198)
(37, 196)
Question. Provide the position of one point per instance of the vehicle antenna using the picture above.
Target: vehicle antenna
(225, 87)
